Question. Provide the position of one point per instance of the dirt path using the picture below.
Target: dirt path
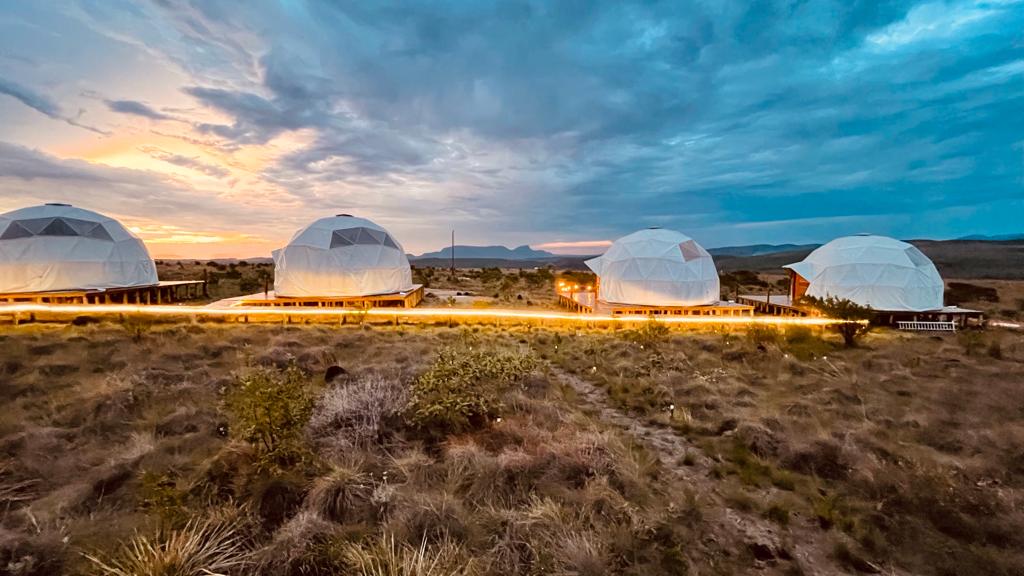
(775, 549)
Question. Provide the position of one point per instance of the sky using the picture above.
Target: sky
(218, 129)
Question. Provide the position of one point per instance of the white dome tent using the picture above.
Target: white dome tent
(341, 256)
(876, 271)
(58, 247)
(656, 267)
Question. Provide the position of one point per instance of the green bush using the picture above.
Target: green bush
(269, 409)
(159, 495)
(854, 316)
(650, 334)
(462, 389)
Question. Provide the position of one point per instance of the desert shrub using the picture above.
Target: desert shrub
(995, 350)
(971, 341)
(650, 334)
(269, 409)
(160, 496)
(824, 458)
(777, 513)
(741, 278)
(959, 292)
(275, 498)
(385, 557)
(462, 389)
(137, 328)
(199, 548)
(854, 316)
(304, 545)
(360, 413)
(801, 341)
(249, 284)
(762, 335)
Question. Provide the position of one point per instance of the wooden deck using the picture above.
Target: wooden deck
(408, 299)
(775, 305)
(162, 293)
(587, 303)
(782, 305)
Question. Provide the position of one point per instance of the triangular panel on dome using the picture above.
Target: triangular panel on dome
(689, 250)
(16, 230)
(58, 227)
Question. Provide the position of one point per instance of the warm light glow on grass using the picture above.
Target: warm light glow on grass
(400, 313)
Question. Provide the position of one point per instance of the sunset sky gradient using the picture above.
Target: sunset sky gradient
(217, 129)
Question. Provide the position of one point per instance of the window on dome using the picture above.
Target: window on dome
(58, 226)
(361, 236)
(690, 250)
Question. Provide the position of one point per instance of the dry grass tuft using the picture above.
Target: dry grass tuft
(385, 557)
(201, 547)
(343, 495)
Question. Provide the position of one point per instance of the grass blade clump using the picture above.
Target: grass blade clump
(385, 557)
(200, 548)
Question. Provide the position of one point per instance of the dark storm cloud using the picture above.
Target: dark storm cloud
(600, 117)
(661, 111)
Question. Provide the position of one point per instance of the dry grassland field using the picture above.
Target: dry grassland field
(170, 449)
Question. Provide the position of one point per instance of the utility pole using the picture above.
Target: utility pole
(453, 255)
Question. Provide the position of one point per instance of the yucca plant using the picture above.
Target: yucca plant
(200, 548)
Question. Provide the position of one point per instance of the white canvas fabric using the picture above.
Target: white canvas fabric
(876, 271)
(57, 247)
(656, 267)
(341, 256)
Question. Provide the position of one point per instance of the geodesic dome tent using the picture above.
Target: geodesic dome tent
(341, 256)
(656, 267)
(56, 247)
(876, 271)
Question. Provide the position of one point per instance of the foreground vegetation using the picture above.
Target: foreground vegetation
(182, 449)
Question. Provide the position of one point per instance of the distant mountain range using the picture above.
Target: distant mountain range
(488, 252)
(999, 238)
(760, 249)
(527, 253)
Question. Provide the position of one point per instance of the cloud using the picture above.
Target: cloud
(136, 109)
(30, 177)
(42, 104)
(191, 162)
(529, 121)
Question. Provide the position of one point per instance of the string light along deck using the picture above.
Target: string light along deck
(68, 312)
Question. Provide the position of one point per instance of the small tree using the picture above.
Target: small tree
(855, 319)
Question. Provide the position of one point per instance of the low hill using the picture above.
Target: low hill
(760, 249)
(494, 252)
